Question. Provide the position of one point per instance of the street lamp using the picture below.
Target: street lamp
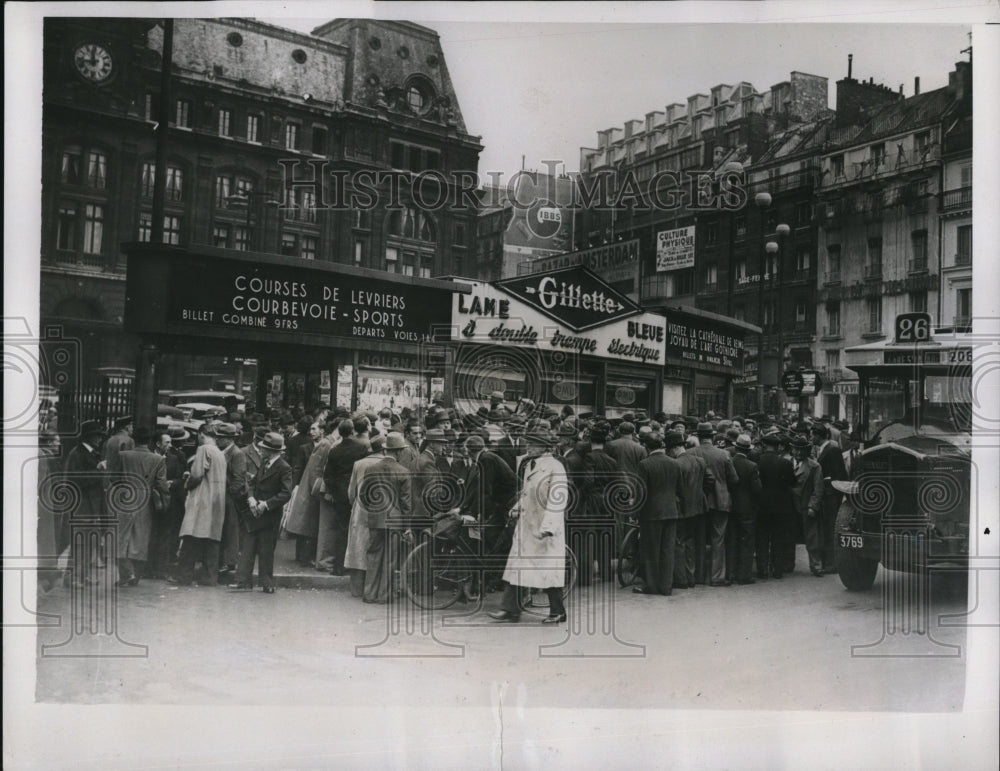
(772, 248)
(762, 201)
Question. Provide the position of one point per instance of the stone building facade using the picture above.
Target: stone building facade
(267, 128)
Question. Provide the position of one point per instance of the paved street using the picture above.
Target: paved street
(775, 645)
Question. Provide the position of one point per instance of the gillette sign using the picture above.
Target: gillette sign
(572, 296)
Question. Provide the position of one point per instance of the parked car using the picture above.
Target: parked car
(214, 398)
(201, 411)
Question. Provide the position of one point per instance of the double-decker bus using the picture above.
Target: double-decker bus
(907, 504)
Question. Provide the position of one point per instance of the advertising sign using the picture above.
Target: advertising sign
(205, 292)
(675, 249)
(792, 383)
(812, 383)
(574, 297)
(492, 314)
(697, 341)
(616, 264)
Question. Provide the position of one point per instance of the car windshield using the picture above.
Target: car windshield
(898, 407)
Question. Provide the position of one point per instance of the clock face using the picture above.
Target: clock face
(93, 62)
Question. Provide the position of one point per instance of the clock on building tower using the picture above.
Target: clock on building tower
(93, 62)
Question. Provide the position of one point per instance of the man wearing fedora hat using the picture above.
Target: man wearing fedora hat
(662, 508)
(270, 489)
(204, 513)
(694, 472)
(537, 555)
(226, 435)
(745, 496)
(490, 490)
(340, 460)
(166, 524)
(385, 496)
(831, 462)
(807, 495)
(600, 472)
(146, 470)
(432, 493)
(777, 477)
(723, 475)
(83, 475)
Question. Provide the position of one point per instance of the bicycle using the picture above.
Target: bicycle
(443, 569)
(628, 568)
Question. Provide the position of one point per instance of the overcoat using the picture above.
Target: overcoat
(304, 517)
(205, 505)
(664, 488)
(271, 485)
(135, 524)
(357, 534)
(535, 562)
(720, 464)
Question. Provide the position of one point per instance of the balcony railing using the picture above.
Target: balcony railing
(873, 272)
(832, 277)
(963, 259)
(873, 330)
(917, 266)
(832, 333)
(80, 259)
(955, 200)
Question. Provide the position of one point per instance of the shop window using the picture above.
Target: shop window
(225, 120)
(253, 128)
(623, 395)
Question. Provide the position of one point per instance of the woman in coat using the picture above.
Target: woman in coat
(538, 554)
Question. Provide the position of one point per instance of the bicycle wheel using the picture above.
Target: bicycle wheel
(571, 571)
(431, 586)
(628, 558)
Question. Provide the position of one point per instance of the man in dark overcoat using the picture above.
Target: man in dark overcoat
(713, 531)
(226, 435)
(662, 507)
(596, 536)
(335, 522)
(270, 489)
(82, 474)
(831, 461)
(490, 490)
(743, 515)
(807, 495)
(694, 477)
(774, 521)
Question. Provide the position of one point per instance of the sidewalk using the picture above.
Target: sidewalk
(289, 574)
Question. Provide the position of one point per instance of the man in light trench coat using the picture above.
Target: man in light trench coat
(538, 553)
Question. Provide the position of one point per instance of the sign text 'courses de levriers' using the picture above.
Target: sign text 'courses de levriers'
(252, 295)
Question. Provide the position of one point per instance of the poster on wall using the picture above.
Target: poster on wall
(379, 391)
(345, 378)
(675, 249)
(437, 388)
(277, 390)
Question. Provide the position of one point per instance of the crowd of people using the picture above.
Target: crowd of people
(718, 501)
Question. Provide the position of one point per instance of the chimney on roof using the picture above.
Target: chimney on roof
(850, 64)
(916, 86)
(900, 89)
